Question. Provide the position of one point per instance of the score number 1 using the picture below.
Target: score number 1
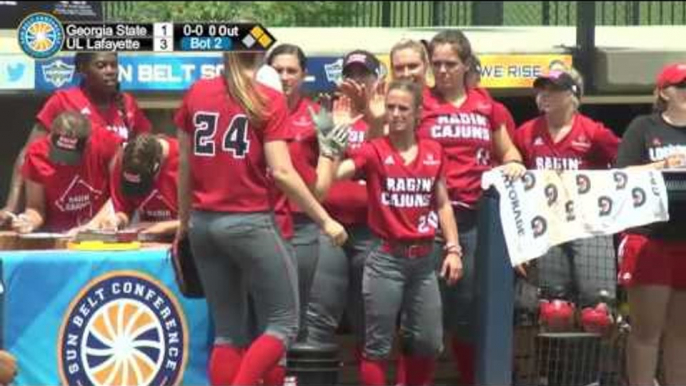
(163, 40)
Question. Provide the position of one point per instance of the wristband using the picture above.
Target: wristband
(452, 248)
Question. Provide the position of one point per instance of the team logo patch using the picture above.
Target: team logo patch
(583, 183)
(639, 197)
(58, 73)
(604, 205)
(551, 194)
(529, 181)
(539, 226)
(123, 328)
(621, 179)
(40, 35)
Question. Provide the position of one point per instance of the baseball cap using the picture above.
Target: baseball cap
(361, 58)
(671, 74)
(66, 150)
(138, 181)
(559, 79)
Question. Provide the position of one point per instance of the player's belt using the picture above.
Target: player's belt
(407, 250)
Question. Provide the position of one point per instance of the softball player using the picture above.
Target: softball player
(462, 120)
(144, 181)
(337, 286)
(290, 63)
(561, 138)
(66, 175)
(653, 258)
(98, 98)
(407, 200)
(235, 126)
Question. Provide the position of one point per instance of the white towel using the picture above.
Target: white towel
(548, 208)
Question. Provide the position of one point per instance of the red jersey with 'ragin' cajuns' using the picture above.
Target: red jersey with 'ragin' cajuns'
(402, 199)
(588, 145)
(125, 124)
(465, 133)
(73, 194)
(161, 203)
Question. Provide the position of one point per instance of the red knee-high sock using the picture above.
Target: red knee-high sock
(464, 357)
(423, 369)
(275, 376)
(224, 364)
(401, 371)
(372, 373)
(263, 354)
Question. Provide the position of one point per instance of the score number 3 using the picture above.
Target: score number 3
(235, 139)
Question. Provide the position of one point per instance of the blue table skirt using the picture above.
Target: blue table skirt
(74, 317)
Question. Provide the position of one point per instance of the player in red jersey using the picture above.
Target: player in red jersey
(337, 287)
(653, 257)
(561, 138)
(231, 130)
(98, 98)
(66, 175)
(407, 201)
(410, 61)
(462, 120)
(144, 181)
(290, 63)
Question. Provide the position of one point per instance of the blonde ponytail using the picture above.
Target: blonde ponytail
(242, 87)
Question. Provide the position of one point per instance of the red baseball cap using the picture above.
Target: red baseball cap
(671, 74)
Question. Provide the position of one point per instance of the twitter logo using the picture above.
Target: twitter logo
(15, 71)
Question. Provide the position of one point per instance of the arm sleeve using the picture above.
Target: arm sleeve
(632, 148)
(605, 145)
(277, 127)
(363, 159)
(51, 109)
(140, 123)
(33, 168)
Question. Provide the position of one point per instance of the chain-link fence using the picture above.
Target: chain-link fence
(403, 14)
(562, 334)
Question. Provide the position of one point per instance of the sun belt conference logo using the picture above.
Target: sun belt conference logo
(40, 35)
(123, 328)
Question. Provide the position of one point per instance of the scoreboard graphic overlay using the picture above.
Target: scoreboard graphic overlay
(42, 36)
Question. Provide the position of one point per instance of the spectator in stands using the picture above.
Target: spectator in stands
(561, 138)
(67, 175)
(653, 258)
(98, 98)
